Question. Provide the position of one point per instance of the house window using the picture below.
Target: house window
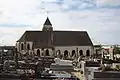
(22, 46)
(38, 52)
(88, 53)
(65, 53)
(28, 46)
(47, 52)
(81, 52)
(73, 52)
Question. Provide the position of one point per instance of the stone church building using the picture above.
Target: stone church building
(56, 43)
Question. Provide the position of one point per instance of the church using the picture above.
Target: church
(55, 43)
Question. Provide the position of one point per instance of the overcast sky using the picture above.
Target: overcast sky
(100, 18)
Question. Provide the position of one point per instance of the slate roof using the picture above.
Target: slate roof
(75, 38)
(60, 38)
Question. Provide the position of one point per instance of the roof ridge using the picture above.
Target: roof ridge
(54, 31)
(33, 31)
(69, 31)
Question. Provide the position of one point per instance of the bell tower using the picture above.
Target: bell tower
(48, 32)
(47, 26)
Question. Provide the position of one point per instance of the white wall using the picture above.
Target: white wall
(30, 43)
(70, 48)
(18, 46)
(61, 48)
(50, 51)
(111, 53)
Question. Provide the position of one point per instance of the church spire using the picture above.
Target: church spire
(47, 25)
(47, 22)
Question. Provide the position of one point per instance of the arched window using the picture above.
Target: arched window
(81, 52)
(53, 49)
(28, 46)
(73, 52)
(58, 52)
(65, 53)
(88, 53)
(42, 49)
(47, 52)
(22, 46)
(38, 52)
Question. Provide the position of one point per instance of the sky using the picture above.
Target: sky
(100, 18)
